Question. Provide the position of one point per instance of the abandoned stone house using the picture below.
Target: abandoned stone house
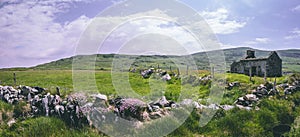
(270, 66)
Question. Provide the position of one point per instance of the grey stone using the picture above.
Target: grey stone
(166, 77)
(25, 90)
(100, 101)
(162, 102)
(258, 66)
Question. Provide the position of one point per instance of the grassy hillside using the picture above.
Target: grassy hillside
(291, 59)
(236, 122)
(45, 127)
(273, 110)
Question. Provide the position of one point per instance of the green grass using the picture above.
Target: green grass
(235, 122)
(5, 106)
(50, 79)
(290, 60)
(46, 127)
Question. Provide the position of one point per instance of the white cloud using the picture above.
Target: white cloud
(252, 43)
(227, 45)
(155, 22)
(297, 8)
(294, 34)
(262, 40)
(28, 32)
(140, 24)
(220, 22)
(258, 41)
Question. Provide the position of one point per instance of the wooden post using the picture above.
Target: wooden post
(250, 73)
(170, 69)
(178, 72)
(265, 76)
(57, 91)
(157, 66)
(213, 71)
(274, 85)
(15, 79)
(187, 69)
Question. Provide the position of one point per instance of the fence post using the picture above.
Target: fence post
(213, 71)
(187, 69)
(250, 73)
(57, 91)
(274, 85)
(15, 79)
(265, 76)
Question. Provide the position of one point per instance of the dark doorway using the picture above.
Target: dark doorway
(253, 71)
(246, 71)
(259, 72)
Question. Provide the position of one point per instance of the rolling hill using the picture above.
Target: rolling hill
(291, 60)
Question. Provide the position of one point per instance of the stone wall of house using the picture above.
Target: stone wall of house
(274, 66)
(271, 66)
(258, 68)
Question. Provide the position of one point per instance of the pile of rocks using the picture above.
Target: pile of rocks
(76, 112)
(147, 73)
(231, 85)
(70, 110)
(130, 108)
(161, 73)
(12, 96)
(290, 88)
(266, 90)
(136, 110)
(263, 90)
(196, 81)
(246, 102)
(53, 105)
(44, 104)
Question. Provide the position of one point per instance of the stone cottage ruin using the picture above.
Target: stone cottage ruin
(270, 66)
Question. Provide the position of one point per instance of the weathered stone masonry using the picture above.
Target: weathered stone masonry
(270, 66)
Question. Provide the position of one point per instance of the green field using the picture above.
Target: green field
(290, 60)
(273, 111)
(50, 79)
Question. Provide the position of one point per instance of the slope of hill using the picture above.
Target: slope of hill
(291, 60)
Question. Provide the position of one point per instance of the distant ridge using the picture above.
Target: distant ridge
(290, 57)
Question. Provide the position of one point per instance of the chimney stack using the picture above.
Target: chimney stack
(250, 54)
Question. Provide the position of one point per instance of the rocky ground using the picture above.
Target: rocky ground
(78, 109)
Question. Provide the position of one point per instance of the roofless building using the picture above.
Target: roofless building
(270, 66)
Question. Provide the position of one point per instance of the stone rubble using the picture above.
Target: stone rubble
(76, 110)
(160, 73)
(44, 104)
(266, 90)
(74, 114)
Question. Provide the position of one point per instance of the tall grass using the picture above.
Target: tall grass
(229, 123)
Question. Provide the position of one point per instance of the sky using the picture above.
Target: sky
(33, 32)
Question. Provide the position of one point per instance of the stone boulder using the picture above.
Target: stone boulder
(162, 102)
(129, 108)
(166, 77)
(100, 101)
